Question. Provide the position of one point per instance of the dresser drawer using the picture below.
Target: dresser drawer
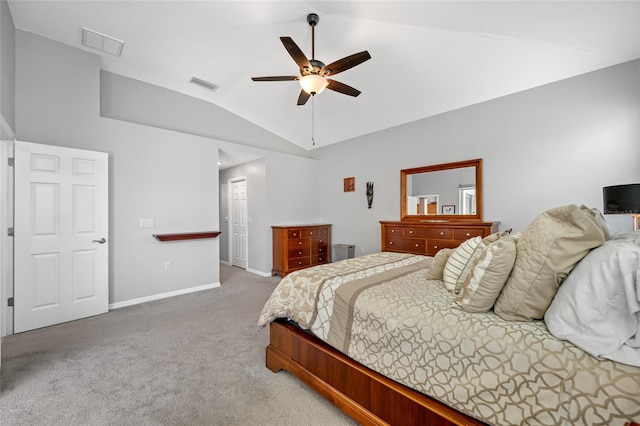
(320, 259)
(393, 231)
(301, 262)
(320, 241)
(433, 246)
(410, 245)
(416, 232)
(294, 233)
(294, 253)
(300, 243)
(464, 234)
(312, 233)
(321, 249)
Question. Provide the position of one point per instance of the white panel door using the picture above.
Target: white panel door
(239, 223)
(61, 235)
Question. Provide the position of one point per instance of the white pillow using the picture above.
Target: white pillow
(459, 263)
(597, 308)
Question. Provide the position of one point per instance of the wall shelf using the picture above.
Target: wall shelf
(186, 236)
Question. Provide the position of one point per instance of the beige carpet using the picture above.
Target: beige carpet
(196, 359)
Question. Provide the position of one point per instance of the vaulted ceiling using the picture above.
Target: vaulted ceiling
(428, 57)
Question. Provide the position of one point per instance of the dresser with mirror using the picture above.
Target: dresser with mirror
(440, 207)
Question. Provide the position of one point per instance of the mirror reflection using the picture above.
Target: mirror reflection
(442, 192)
(450, 191)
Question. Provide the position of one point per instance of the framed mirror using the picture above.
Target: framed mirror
(450, 191)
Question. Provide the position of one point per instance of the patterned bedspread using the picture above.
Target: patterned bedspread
(382, 312)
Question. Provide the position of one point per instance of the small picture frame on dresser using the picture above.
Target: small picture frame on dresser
(448, 209)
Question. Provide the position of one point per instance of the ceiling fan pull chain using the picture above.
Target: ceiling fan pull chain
(313, 122)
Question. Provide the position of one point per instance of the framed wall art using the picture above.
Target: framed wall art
(349, 184)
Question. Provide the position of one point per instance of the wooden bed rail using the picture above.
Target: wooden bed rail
(363, 394)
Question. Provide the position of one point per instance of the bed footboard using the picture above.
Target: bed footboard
(361, 393)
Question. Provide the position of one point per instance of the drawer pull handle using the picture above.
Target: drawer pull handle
(411, 231)
(416, 244)
(299, 252)
(435, 247)
(299, 242)
(390, 243)
(300, 263)
(320, 259)
(310, 232)
(393, 231)
(322, 241)
(441, 233)
(320, 250)
(468, 234)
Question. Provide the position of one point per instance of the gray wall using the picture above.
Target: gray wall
(131, 100)
(7, 72)
(550, 146)
(170, 176)
(254, 172)
(154, 173)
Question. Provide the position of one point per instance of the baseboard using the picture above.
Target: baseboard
(139, 300)
(225, 262)
(262, 274)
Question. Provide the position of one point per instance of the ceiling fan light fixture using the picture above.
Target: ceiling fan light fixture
(313, 83)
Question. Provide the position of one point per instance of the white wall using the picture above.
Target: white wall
(553, 145)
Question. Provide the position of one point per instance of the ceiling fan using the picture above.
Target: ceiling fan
(313, 73)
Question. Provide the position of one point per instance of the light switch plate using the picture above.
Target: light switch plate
(147, 223)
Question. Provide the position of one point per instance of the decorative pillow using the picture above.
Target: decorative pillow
(436, 269)
(545, 254)
(597, 307)
(496, 236)
(459, 263)
(488, 275)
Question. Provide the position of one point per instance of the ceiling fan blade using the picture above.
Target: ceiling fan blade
(345, 63)
(303, 98)
(295, 52)
(276, 78)
(336, 86)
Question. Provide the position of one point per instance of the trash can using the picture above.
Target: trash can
(343, 251)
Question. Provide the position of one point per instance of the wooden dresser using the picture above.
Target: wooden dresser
(428, 237)
(300, 246)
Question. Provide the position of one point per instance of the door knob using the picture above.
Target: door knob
(100, 241)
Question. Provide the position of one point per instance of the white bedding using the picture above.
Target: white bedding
(597, 307)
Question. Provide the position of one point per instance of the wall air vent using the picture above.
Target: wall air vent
(205, 84)
(101, 42)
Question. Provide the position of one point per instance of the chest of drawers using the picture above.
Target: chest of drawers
(427, 238)
(300, 246)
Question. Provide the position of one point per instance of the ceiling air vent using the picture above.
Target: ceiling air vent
(101, 42)
(205, 84)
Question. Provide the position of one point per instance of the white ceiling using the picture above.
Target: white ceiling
(428, 57)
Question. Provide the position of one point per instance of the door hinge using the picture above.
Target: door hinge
(10, 232)
(10, 161)
(10, 301)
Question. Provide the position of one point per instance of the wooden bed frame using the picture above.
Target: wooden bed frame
(363, 394)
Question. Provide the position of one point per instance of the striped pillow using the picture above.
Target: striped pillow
(488, 275)
(459, 263)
